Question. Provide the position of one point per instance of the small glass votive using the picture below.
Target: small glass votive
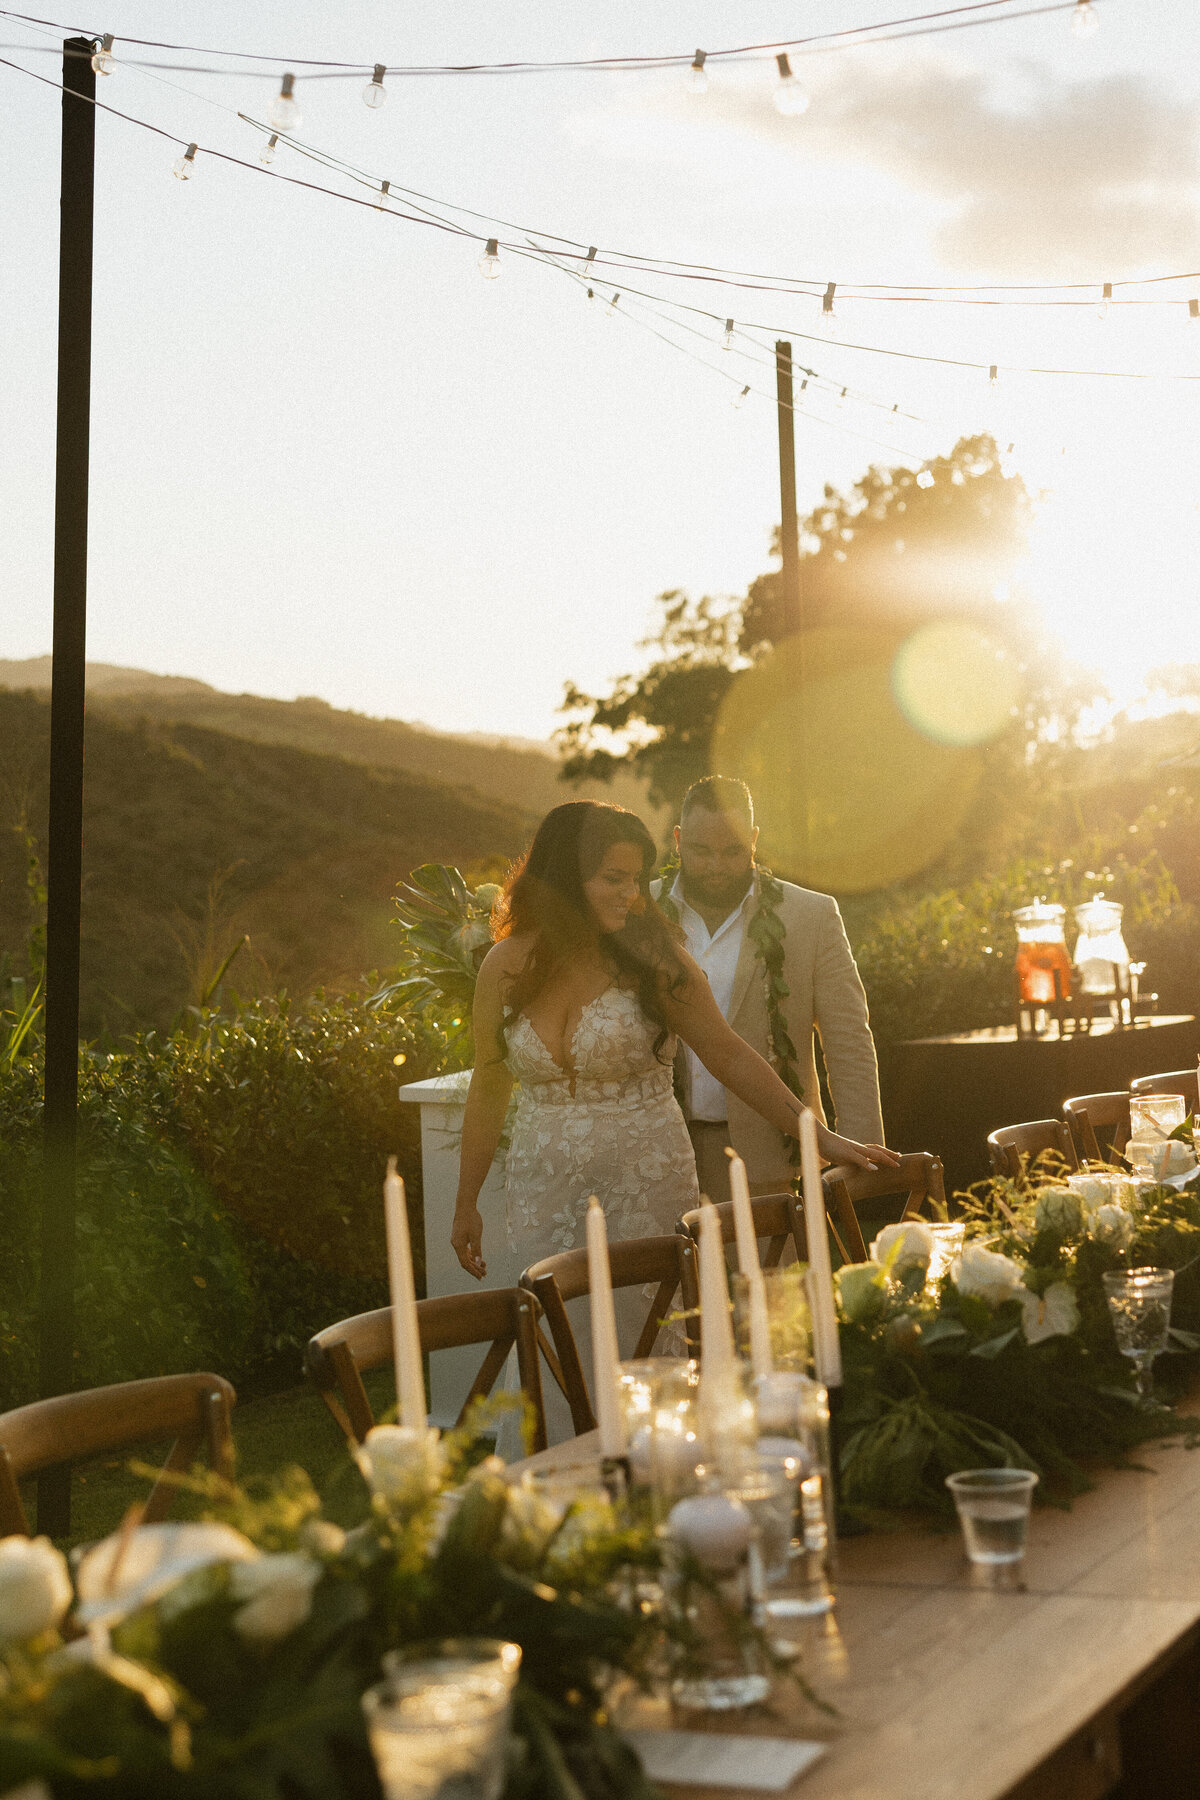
(948, 1240)
(794, 1410)
(993, 1510)
(438, 1720)
(1139, 1304)
(789, 1322)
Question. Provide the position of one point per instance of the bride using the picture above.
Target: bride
(580, 1001)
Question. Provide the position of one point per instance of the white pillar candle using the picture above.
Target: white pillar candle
(750, 1265)
(406, 1337)
(716, 1367)
(827, 1350)
(605, 1354)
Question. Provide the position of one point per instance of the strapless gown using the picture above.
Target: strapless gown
(615, 1131)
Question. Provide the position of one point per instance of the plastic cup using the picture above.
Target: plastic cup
(993, 1510)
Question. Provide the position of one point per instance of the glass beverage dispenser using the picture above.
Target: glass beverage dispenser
(1042, 953)
(1100, 953)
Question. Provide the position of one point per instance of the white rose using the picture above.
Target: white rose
(1059, 1209)
(35, 1587)
(987, 1274)
(404, 1466)
(1113, 1225)
(277, 1591)
(322, 1537)
(909, 1244)
(1092, 1189)
(1052, 1314)
(129, 1569)
(29, 1790)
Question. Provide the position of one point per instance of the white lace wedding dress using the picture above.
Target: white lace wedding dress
(611, 1127)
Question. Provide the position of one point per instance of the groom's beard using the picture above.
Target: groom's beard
(717, 890)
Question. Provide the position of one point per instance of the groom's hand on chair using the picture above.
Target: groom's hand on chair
(837, 1149)
(466, 1239)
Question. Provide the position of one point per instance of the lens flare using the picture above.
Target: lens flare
(955, 684)
(851, 795)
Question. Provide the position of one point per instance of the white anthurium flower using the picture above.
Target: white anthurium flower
(28, 1790)
(1059, 1209)
(132, 1568)
(322, 1537)
(277, 1593)
(987, 1275)
(908, 1245)
(35, 1588)
(1052, 1314)
(1113, 1225)
(860, 1288)
(403, 1466)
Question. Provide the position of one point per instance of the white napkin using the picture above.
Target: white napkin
(710, 1760)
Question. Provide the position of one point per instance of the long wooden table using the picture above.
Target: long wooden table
(1085, 1684)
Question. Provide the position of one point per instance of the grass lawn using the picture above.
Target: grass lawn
(290, 1427)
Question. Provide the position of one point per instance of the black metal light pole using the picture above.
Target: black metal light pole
(66, 750)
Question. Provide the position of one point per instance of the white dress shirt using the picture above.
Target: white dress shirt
(717, 953)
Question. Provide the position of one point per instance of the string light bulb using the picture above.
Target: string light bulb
(268, 150)
(739, 400)
(1194, 312)
(790, 98)
(588, 260)
(285, 109)
(103, 60)
(385, 188)
(994, 375)
(829, 322)
(185, 168)
(727, 343)
(489, 262)
(1105, 303)
(698, 75)
(841, 399)
(1085, 20)
(375, 94)
(610, 311)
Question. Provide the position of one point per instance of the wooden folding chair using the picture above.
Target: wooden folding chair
(1090, 1116)
(499, 1317)
(1013, 1147)
(1178, 1081)
(193, 1410)
(666, 1262)
(918, 1178)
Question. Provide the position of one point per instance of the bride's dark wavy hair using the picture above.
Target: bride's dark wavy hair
(543, 899)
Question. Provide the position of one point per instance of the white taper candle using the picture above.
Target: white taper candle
(605, 1354)
(716, 1366)
(827, 1350)
(750, 1265)
(406, 1337)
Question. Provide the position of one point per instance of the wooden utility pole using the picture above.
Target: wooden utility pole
(66, 751)
(789, 529)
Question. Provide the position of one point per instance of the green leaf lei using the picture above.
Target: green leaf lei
(767, 933)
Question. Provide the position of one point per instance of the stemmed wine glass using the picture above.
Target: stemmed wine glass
(1139, 1301)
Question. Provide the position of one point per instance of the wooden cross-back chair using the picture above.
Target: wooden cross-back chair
(918, 1178)
(337, 1357)
(779, 1218)
(1014, 1147)
(1176, 1081)
(192, 1410)
(1099, 1124)
(667, 1263)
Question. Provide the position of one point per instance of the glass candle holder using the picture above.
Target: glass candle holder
(948, 1240)
(438, 1721)
(1139, 1304)
(713, 1588)
(794, 1408)
(789, 1322)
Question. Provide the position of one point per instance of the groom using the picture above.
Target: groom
(779, 965)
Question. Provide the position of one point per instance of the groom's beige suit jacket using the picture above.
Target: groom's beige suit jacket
(825, 995)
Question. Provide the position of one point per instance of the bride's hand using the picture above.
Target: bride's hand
(466, 1239)
(837, 1149)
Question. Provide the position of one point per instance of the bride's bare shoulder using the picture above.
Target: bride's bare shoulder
(506, 959)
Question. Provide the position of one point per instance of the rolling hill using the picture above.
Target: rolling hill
(194, 836)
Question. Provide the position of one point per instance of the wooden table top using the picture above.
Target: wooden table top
(946, 1691)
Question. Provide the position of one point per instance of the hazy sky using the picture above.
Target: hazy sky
(330, 459)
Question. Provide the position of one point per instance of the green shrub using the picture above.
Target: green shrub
(229, 1189)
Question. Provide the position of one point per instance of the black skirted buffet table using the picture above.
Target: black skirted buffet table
(946, 1093)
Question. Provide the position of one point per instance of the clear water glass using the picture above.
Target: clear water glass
(993, 1510)
(438, 1721)
(1139, 1303)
